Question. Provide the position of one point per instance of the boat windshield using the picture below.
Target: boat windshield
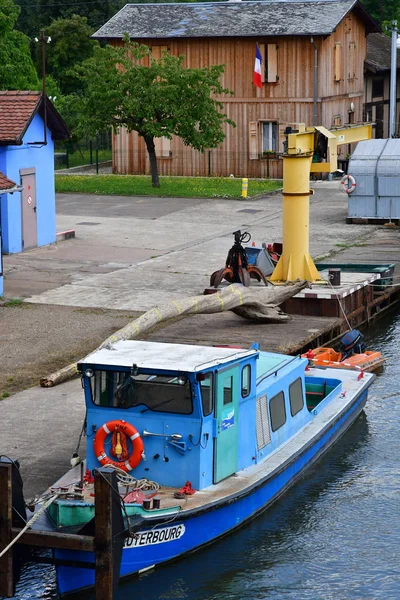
(163, 393)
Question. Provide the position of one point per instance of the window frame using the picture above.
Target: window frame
(271, 414)
(248, 368)
(296, 381)
(271, 126)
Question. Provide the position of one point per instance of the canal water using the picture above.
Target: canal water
(334, 536)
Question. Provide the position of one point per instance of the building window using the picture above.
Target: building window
(246, 380)
(296, 398)
(337, 62)
(269, 66)
(269, 136)
(277, 411)
(352, 61)
(162, 147)
(377, 88)
(337, 121)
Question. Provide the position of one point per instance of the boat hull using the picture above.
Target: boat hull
(195, 529)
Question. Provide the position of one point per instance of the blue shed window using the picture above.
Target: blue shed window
(277, 411)
(296, 397)
(246, 380)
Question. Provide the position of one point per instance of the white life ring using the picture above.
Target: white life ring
(348, 184)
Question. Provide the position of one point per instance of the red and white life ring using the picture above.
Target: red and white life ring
(132, 433)
(348, 184)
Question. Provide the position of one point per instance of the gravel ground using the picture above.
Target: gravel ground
(36, 339)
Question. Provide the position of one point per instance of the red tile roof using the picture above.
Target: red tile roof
(5, 183)
(17, 110)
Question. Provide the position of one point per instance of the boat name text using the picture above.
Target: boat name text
(155, 536)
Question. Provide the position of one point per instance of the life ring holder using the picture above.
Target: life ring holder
(132, 433)
(346, 180)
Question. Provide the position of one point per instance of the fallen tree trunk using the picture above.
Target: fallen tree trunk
(259, 304)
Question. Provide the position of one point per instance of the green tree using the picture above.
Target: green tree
(159, 100)
(382, 10)
(17, 71)
(70, 44)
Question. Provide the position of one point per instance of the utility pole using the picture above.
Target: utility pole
(44, 39)
(393, 73)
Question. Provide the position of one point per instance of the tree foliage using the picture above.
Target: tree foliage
(382, 10)
(17, 71)
(70, 45)
(161, 99)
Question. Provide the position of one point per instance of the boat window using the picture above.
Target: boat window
(161, 393)
(296, 396)
(246, 373)
(262, 423)
(277, 411)
(228, 384)
(206, 386)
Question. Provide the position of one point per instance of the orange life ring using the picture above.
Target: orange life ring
(346, 180)
(132, 433)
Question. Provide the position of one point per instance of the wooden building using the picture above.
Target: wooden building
(377, 84)
(312, 72)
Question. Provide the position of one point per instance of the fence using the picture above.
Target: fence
(84, 153)
(192, 163)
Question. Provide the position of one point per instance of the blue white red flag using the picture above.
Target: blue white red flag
(257, 68)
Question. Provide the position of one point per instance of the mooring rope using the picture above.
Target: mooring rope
(30, 523)
(128, 481)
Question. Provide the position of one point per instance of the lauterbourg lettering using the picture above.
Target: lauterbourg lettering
(155, 536)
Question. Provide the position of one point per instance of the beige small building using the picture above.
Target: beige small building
(377, 84)
(312, 72)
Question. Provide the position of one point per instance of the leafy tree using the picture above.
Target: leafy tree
(17, 71)
(70, 45)
(162, 99)
(382, 10)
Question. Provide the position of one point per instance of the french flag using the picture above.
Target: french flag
(257, 68)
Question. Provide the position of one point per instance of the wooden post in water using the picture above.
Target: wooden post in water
(7, 586)
(109, 527)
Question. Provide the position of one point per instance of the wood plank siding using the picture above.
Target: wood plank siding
(261, 115)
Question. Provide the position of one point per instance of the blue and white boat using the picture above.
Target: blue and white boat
(238, 426)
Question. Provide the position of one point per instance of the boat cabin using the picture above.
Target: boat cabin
(194, 413)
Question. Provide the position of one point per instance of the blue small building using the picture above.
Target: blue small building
(6, 187)
(29, 125)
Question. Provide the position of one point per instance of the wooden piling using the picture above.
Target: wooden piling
(7, 584)
(108, 530)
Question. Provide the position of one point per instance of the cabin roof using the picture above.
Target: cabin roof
(160, 356)
(231, 19)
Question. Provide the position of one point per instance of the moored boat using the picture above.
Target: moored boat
(351, 354)
(203, 439)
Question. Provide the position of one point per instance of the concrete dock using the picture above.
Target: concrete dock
(130, 254)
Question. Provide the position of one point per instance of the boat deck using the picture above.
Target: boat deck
(238, 483)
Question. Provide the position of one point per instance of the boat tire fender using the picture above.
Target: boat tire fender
(131, 432)
(348, 184)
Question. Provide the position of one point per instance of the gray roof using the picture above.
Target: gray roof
(231, 19)
(379, 51)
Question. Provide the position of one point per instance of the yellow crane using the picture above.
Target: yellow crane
(295, 261)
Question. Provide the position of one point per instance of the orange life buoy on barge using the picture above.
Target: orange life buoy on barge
(132, 433)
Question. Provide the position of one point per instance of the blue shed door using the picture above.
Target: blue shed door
(28, 199)
(227, 415)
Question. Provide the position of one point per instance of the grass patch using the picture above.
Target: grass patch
(183, 187)
(14, 302)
